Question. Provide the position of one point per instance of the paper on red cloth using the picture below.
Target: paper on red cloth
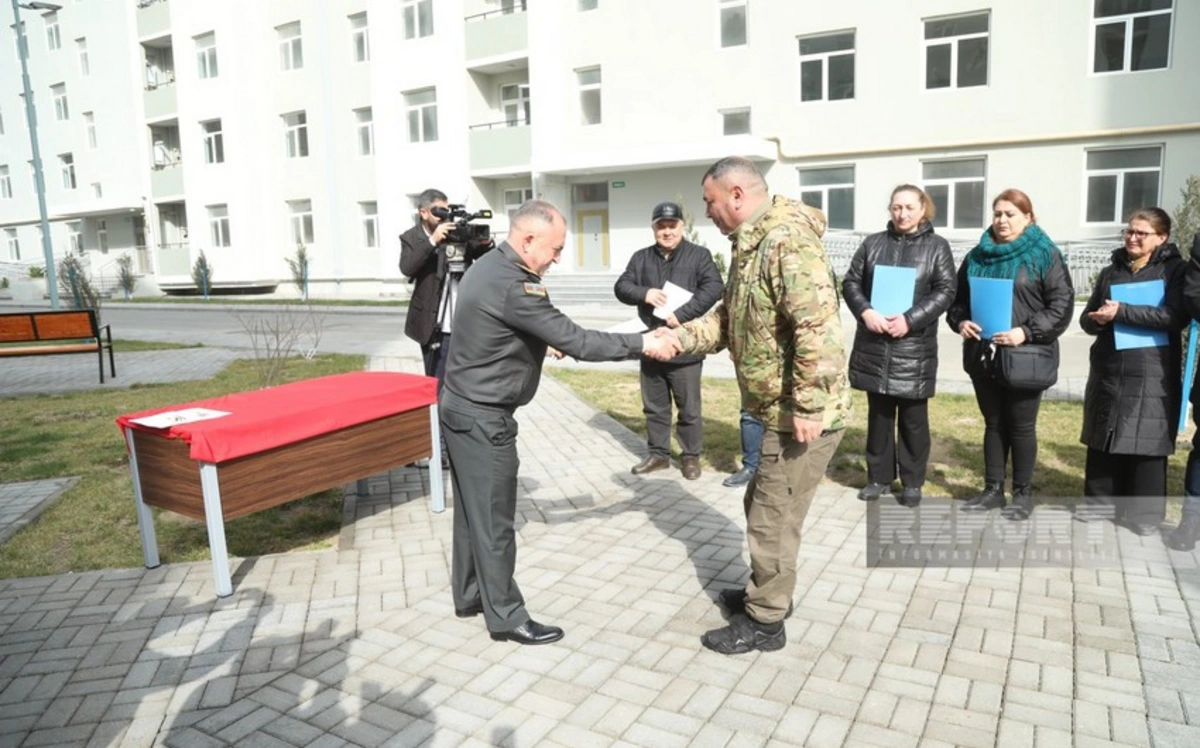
(275, 416)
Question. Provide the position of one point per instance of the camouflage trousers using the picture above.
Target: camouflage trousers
(776, 503)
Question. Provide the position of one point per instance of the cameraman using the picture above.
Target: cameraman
(422, 263)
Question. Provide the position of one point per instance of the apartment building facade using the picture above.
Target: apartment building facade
(243, 130)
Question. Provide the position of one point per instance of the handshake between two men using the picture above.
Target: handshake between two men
(661, 344)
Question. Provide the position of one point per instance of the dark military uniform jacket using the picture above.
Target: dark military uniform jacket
(502, 326)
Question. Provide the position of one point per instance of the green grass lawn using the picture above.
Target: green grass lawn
(93, 525)
(238, 300)
(956, 458)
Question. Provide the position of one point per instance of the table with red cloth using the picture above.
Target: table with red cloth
(278, 444)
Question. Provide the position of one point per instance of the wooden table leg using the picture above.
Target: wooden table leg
(436, 484)
(215, 518)
(145, 517)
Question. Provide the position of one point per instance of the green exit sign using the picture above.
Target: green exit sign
(618, 185)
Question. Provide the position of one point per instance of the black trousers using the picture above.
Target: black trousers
(1134, 486)
(483, 468)
(433, 354)
(887, 416)
(660, 382)
(1009, 427)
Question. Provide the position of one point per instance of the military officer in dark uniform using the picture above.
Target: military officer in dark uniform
(502, 327)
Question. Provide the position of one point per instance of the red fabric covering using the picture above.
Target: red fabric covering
(272, 417)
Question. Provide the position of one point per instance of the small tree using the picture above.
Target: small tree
(76, 285)
(126, 279)
(299, 268)
(202, 273)
(1187, 215)
(692, 235)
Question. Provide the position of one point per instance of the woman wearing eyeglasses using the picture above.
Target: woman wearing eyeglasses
(1131, 403)
(1020, 266)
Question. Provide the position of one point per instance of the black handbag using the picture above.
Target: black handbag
(1033, 366)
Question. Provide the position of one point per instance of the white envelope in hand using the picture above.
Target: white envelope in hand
(677, 296)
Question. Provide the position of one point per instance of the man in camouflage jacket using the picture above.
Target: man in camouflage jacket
(780, 320)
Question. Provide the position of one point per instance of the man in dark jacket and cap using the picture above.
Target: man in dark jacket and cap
(671, 259)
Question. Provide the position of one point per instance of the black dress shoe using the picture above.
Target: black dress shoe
(910, 497)
(470, 611)
(1183, 538)
(734, 600)
(690, 467)
(530, 632)
(1144, 529)
(872, 492)
(740, 478)
(650, 464)
(992, 497)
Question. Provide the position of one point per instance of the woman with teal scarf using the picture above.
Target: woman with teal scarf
(1014, 248)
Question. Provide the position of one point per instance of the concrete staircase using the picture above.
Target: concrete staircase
(570, 289)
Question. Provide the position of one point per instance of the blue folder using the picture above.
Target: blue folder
(1145, 293)
(892, 289)
(991, 305)
(1189, 374)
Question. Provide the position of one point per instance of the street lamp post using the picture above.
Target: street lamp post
(39, 177)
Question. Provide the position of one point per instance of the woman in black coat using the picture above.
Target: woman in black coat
(1131, 404)
(1014, 249)
(894, 358)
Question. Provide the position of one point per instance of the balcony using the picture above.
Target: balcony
(160, 101)
(499, 148)
(167, 180)
(153, 17)
(498, 34)
(174, 259)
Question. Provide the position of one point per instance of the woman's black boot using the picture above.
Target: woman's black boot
(1021, 506)
(991, 498)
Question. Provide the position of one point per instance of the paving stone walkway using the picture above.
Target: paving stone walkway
(359, 646)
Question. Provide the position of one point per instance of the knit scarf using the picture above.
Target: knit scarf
(1032, 248)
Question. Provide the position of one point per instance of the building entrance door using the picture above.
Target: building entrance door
(591, 240)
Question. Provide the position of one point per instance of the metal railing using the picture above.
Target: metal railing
(1085, 257)
(519, 122)
(517, 7)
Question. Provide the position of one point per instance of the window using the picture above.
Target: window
(295, 135)
(214, 142)
(827, 67)
(1119, 181)
(418, 18)
(206, 55)
(85, 68)
(102, 235)
(369, 213)
(735, 122)
(421, 108)
(218, 225)
(291, 52)
(1131, 35)
(589, 95)
(514, 199)
(14, 244)
(6, 192)
(588, 4)
(957, 191)
(302, 221)
(366, 131)
(97, 190)
(61, 111)
(733, 22)
(514, 100)
(53, 38)
(89, 124)
(358, 37)
(66, 162)
(75, 236)
(832, 190)
(956, 51)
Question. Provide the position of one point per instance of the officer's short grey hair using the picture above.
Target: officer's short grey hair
(539, 210)
(738, 166)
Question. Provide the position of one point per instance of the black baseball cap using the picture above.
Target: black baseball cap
(664, 211)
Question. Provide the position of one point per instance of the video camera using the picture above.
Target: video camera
(466, 241)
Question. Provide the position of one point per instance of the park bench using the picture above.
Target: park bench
(51, 333)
